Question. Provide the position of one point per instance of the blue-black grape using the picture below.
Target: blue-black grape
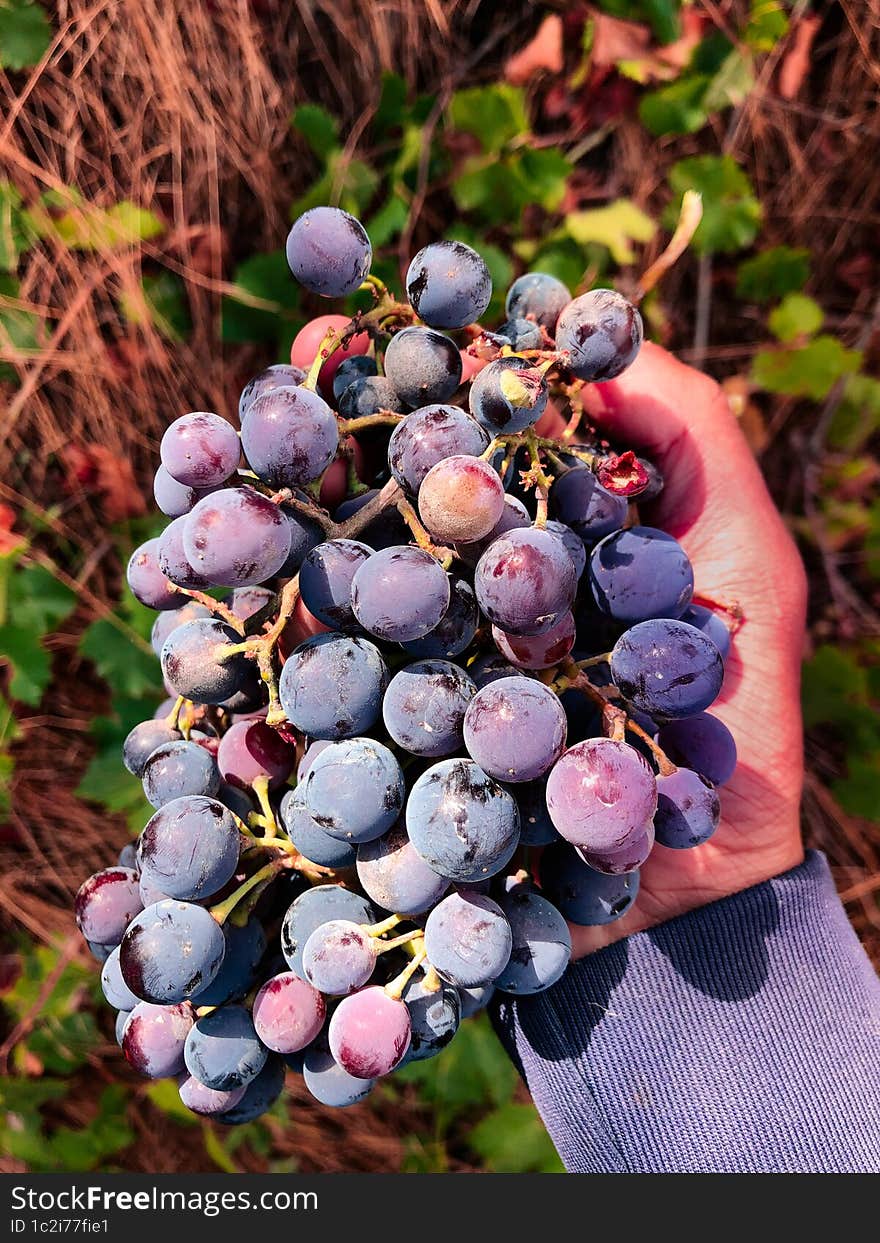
(448, 285)
(236, 537)
(515, 729)
(115, 989)
(279, 375)
(171, 951)
(195, 663)
(423, 366)
(400, 594)
(314, 907)
(601, 794)
(304, 536)
(200, 450)
(688, 810)
(473, 1000)
(711, 625)
(523, 334)
(524, 580)
(703, 743)
(328, 252)
(355, 789)
(541, 947)
(456, 628)
(489, 668)
(424, 707)
(288, 1013)
(583, 504)
(143, 740)
(429, 435)
(289, 437)
(189, 847)
(106, 903)
(178, 768)
(331, 687)
(508, 395)
(328, 1082)
(394, 875)
(259, 1095)
(350, 369)
(667, 668)
(245, 947)
(169, 620)
(468, 939)
(325, 579)
(311, 840)
(369, 1033)
(222, 1049)
(641, 573)
(461, 822)
(154, 1036)
(369, 395)
(535, 826)
(574, 545)
(435, 1016)
(128, 856)
(119, 1028)
(584, 895)
(600, 334)
(537, 296)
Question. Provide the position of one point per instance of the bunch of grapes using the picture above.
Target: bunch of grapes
(434, 691)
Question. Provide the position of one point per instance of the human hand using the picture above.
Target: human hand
(716, 504)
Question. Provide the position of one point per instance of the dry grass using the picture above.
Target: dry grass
(184, 108)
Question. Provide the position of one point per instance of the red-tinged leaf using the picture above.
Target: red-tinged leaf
(9, 539)
(544, 51)
(796, 62)
(622, 474)
(97, 469)
(617, 42)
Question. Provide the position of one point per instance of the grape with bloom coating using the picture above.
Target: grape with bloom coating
(328, 1082)
(537, 296)
(540, 651)
(524, 580)
(222, 1049)
(703, 743)
(279, 375)
(514, 516)
(195, 663)
(251, 751)
(171, 951)
(325, 580)
(369, 395)
(259, 1095)
(448, 285)
(601, 794)
(541, 947)
(289, 437)
(535, 826)
(355, 789)
(429, 435)
(600, 334)
(584, 895)
(200, 450)
(435, 1016)
(154, 1036)
(508, 396)
(394, 875)
(115, 989)
(189, 848)
(331, 687)
(667, 668)
(468, 939)
(523, 334)
(147, 583)
(143, 740)
(688, 810)
(461, 822)
(309, 838)
(173, 561)
(351, 369)
(423, 366)
(288, 1013)
(207, 1101)
(515, 729)
(169, 620)
(339, 958)
(455, 629)
(461, 499)
(711, 625)
(400, 594)
(641, 573)
(178, 768)
(424, 707)
(318, 906)
(369, 1033)
(173, 498)
(236, 537)
(106, 903)
(627, 858)
(245, 947)
(583, 504)
(328, 251)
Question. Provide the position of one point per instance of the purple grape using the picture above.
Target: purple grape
(424, 707)
(524, 581)
(251, 751)
(195, 664)
(304, 536)
(173, 498)
(173, 561)
(325, 580)
(178, 768)
(393, 874)
(584, 895)
(189, 848)
(288, 1013)
(601, 794)
(311, 753)
(279, 375)
(338, 958)
(143, 740)
(236, 800)
(400, 594)
(355, 790)
(147, 583)
(641, 573)
(331, 687)
(424, 366)
(222, 1049)
(688, 810)
(171, 951)
(128, 856)
(328, 1082)
(489, 668)
(703, 743)
(600, 334)
(711, 625)
(574, 545)
(369, 1033)
(456, 628)
(667, 668)
(515, 729)
(105, 905)
(429, 435)
(655, 481)
(628, 858)
(538, 296)
(473, 1000)
(435, 1016)
(448, 285)
(200, 450)
(311, 840)
(154, 1036)
(245, 602)
(318, 906)
(369, 395)
(541, 651)
(461, 822)
(468, 939)
(259, 1095)
(514, 516)
(121, 1020)
(245, 947)
(170, 620)
(207, 1101)
(541, 948)
(461, 500)
(115, 989)
(508, 396)
(583, 504)
(236, 537)
(328, 252)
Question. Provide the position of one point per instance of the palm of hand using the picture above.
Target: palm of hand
(715, 502)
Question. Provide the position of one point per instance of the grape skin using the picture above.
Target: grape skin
(688, 810)
(200, 450)
(455, 629)
(236, 538)
(448, 285)
(584, 895)
(667, 668)
(154, 1036)
(289, 437)
(189, 848)
(601, 794)
(259, 1095)
(355, 789)
(473, 1000)
(369, 1033)
(178, 768)
(423, 366)
(601, 334)
(703, 743)
(395, 877)
(288, 1013)
(147, 583)
(541, 651)
(328, 252)
(515, 729)
(711, 625)
(524, 581)
(251, 751)
(173, 498)
(468, 939)
(207, 1101)
(514, 516)
(541, 947)
(170, 620)
(279, 375)
(193, 661)
(351, 369)
(325, 580)
(143, 740)
(536, 827)
(641, 573)
(328, 1082)
(538, 296)
(106, 903)
(400, 594)
(435, 1016)
(574, 545)
(461, 499)
(331, 687)
(173, 561)
(314, 907)
(222, 1050)
(583, 504)
(311, 840)
(369, 395)
(628, 858)
(523, 334)
(429, 435)
(508, 396)
(115, 989)
(424, 707)
(245, 946)
(461, 822)
(171, 951)
(338, 958)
